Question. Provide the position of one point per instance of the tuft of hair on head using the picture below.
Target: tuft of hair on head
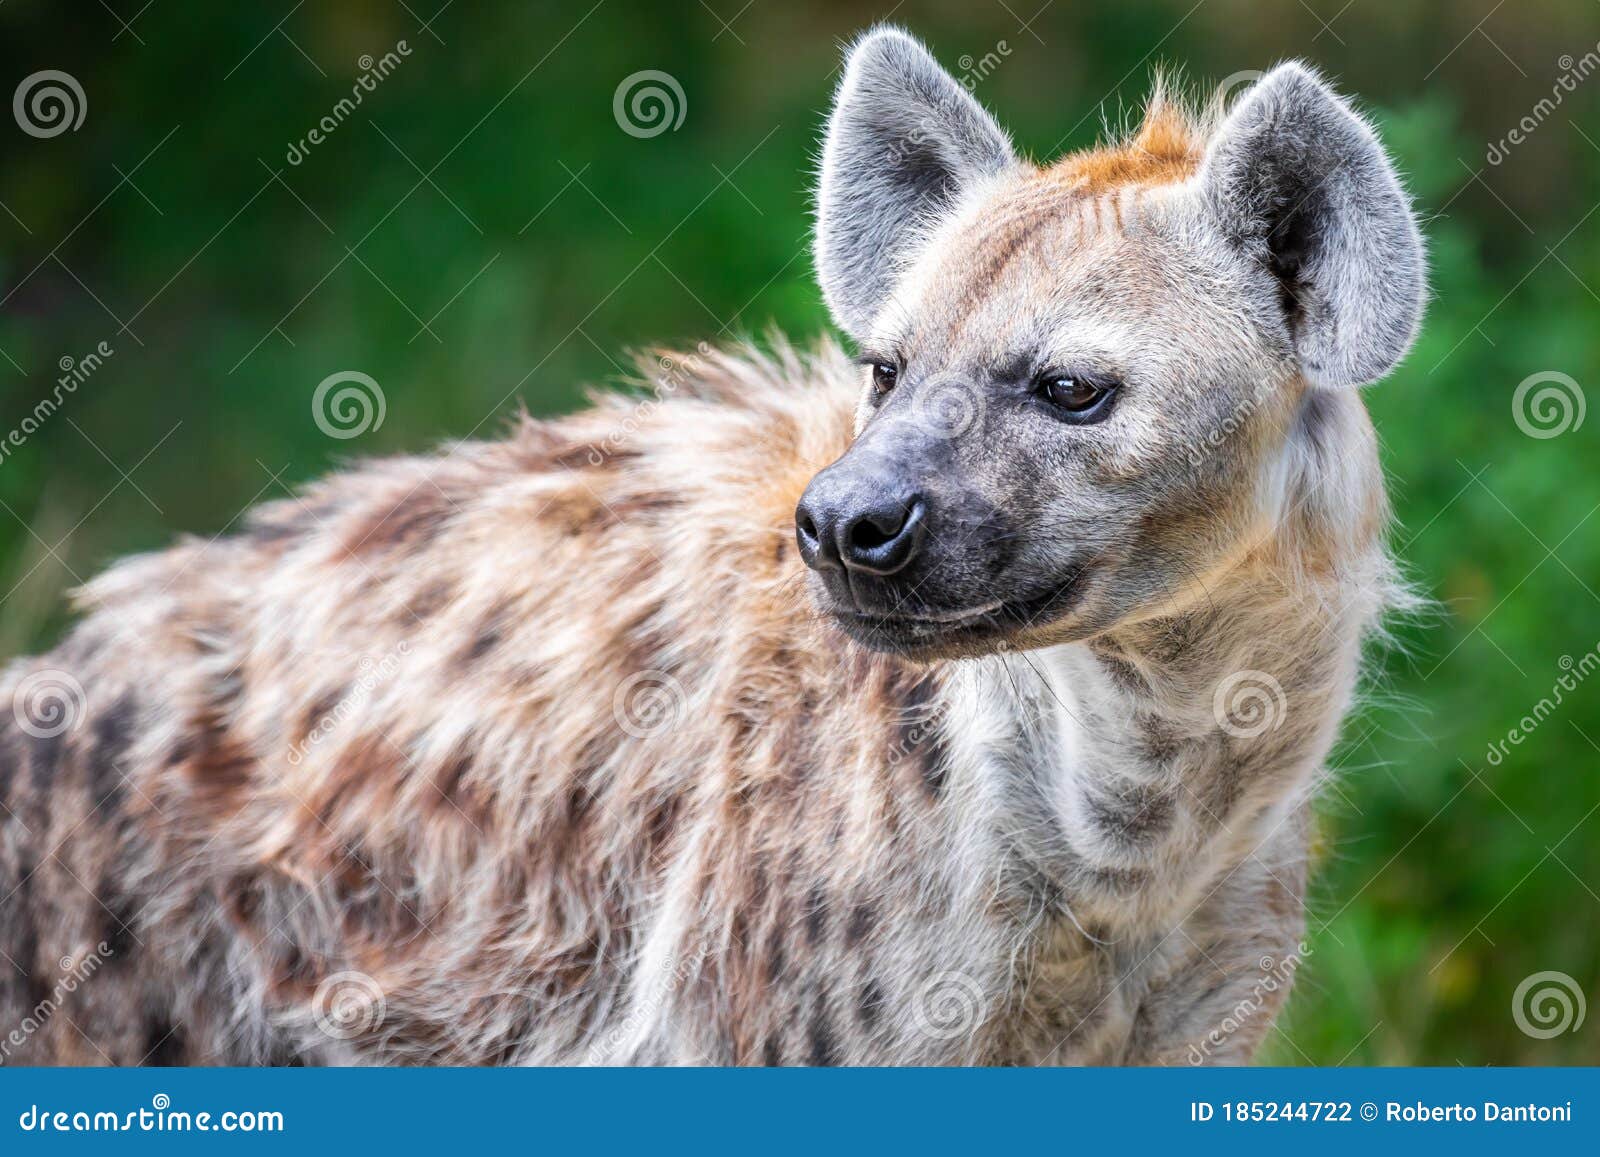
(1165, 147)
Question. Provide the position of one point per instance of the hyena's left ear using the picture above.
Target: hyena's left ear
(904, 142)
(1300, 182)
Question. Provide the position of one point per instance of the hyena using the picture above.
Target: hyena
(957, 704)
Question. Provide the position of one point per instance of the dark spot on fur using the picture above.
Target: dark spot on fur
(1317, 409)
(662, 824)
(164, 1045)
(282, 1055)
(816, 915)
(44, 756)
(1135, 817)
(427, 603)
(1157, 739)
(414, 521)
(869, 1004)
(489, 633)
(120, 917)
(1123, 673)
(919, 732)
(863, 918)
(322, 707)
(772, 1052)
(21, 934)
(10, 762)
(777, 948)
(110, 735)
(449, 780)
(824, 1048)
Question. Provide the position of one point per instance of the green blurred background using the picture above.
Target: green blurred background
(480, 230)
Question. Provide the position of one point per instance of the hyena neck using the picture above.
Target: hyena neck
(1135, 769)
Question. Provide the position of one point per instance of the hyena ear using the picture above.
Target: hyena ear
(904, 142)
(1300, 182)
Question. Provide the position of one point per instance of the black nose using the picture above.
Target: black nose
(858, 522)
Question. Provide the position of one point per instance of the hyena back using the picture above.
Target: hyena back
(566, 749)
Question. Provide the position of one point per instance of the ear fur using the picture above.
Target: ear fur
(1300, 183)
(905, 140)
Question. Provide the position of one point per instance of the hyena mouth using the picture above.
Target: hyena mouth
(972, 630)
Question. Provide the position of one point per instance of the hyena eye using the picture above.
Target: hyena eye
(1079, 399)
(884, 376)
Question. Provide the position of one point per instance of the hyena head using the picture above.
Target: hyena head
(1085, 384)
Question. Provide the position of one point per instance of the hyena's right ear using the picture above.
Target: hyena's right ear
(904, 142)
